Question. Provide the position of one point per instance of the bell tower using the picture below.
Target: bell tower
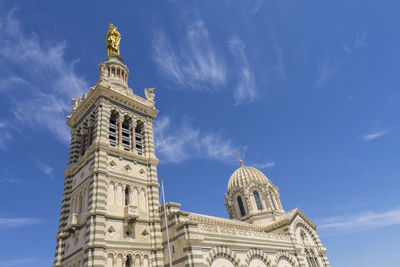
(109, 214)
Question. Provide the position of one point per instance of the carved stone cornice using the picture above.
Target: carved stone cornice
(111, 93)
(229, 227)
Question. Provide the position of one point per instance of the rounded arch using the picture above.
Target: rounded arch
(112, 253)
(140, 122)
(287, 257)
(127, 117)
(257, 200)
(119, 258)
(300, 225)
(256, 253)
(115, 114)
(237, 198)
(110, 260)
(146, 260)
(222, 252)
(222, 262)
(234, 192)
(137, 260)
(256, 186)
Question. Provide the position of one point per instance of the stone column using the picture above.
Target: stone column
(103, 121)
(120, 132)
(133, 138)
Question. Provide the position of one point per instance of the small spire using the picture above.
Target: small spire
(240, 160)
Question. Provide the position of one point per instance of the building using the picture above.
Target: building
(111, 213)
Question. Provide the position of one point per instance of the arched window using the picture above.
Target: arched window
(241, 207)
(113, 130)
(127, 195)
(139, 138)
(90, 135)
(126, 135)
(91, 129)
(303, 237)
(128, 262)
(272, 201)
(110, 260)
(311, 259)
(85, 142)
(257, 199)
(314, 262)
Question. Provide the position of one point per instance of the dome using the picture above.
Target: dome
(245, 175)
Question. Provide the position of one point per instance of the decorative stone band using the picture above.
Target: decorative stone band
(127, 92)
(209, 224)
(118, 257)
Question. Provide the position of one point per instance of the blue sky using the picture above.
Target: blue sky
(308, 91)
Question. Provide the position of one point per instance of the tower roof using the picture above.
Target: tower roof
(244, 175)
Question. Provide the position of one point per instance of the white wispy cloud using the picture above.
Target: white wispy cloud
(191, 63)
(373, 136)
(6, 177)
(179, 142)
(280, 66)
(360, 222)
(17, 262)
(17, 222)
(361, 39)
(264, 165)
(49, 171)
(5, 137)
(49, 80)
(9, 82)
(324, 71)
(257, 5)
(245, 91)
(8, 180)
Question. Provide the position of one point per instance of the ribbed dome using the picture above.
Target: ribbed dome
(244, 176)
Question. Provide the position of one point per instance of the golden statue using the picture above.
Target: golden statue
(113, 38)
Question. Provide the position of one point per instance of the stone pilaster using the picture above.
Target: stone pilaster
(103, 119)
(120, 131)
(133, 136)
(73, 150)
(149, 152)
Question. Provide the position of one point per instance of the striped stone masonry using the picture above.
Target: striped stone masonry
(110, 209)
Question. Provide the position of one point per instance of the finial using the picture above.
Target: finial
(113, 38)
(240, 160)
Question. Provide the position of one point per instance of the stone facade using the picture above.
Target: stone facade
(111, 214)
